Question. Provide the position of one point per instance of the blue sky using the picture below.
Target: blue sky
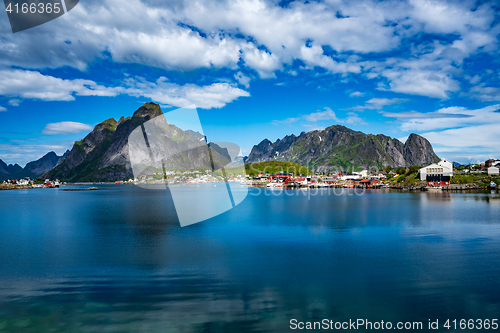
(258, 69)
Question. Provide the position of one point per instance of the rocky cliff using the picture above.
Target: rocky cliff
(338, 148)
(104, 154)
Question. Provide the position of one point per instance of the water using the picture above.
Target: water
(117, 260)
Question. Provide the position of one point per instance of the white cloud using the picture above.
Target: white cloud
(353, 118)
(242, 79)
(24, 152)
(446, 118)
(449, 17)
(34, 85)
(314, 127)
(328, 114)
(378, 103)
(174, 48)
(263, 62)
(66, 127)
(418, 115)
(2, 109)
(483, 93)
(265, 37)
(473, 142)
(313, 56)
(356, 94)
(15, 102)
(456, 131)
(215, 95)
(420, 82)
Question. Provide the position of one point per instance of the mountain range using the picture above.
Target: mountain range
(104, 154)
(338, 148)
(141, 145)
(33, 169)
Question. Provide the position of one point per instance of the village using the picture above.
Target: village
(436, 176)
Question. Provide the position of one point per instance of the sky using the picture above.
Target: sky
(257, 69)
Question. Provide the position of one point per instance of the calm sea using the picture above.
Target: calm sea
(117, 260)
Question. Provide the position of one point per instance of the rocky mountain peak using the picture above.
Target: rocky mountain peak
(343, 149)
(148, 110)
(418, 150)
(108, 123)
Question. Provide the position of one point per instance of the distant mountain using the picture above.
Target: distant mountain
(197, 135)
(45, 164)
(33, 169)
(104, 154)
(11, 171)
(237, 161)
(338, 148)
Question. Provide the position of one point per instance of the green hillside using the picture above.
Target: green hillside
(253, 169)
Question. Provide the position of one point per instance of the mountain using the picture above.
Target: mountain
(196, 134)
(338, 148)
(44, 164)
(119, 150)
(32, 169)
(11, 171)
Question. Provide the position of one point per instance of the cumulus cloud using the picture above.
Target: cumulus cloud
(34, 85)
(2, 109)
(215, 95)
(484, 93)
(242, 79)
(419, 82)
(328, 114)
(314, 57)
(263, 62)
(66, 127)
(339, 36)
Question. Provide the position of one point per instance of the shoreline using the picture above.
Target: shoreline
(452, 188)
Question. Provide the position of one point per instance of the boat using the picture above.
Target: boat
(434, 188)
(493, 184)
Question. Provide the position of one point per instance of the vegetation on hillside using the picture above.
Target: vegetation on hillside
(481, 179)
(254, 169)
(405, 178)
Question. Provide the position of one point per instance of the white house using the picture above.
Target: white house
(23, 182)
(443, 168)
(493, 171)
(362, 174)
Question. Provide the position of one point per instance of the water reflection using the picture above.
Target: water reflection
(117, 260)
